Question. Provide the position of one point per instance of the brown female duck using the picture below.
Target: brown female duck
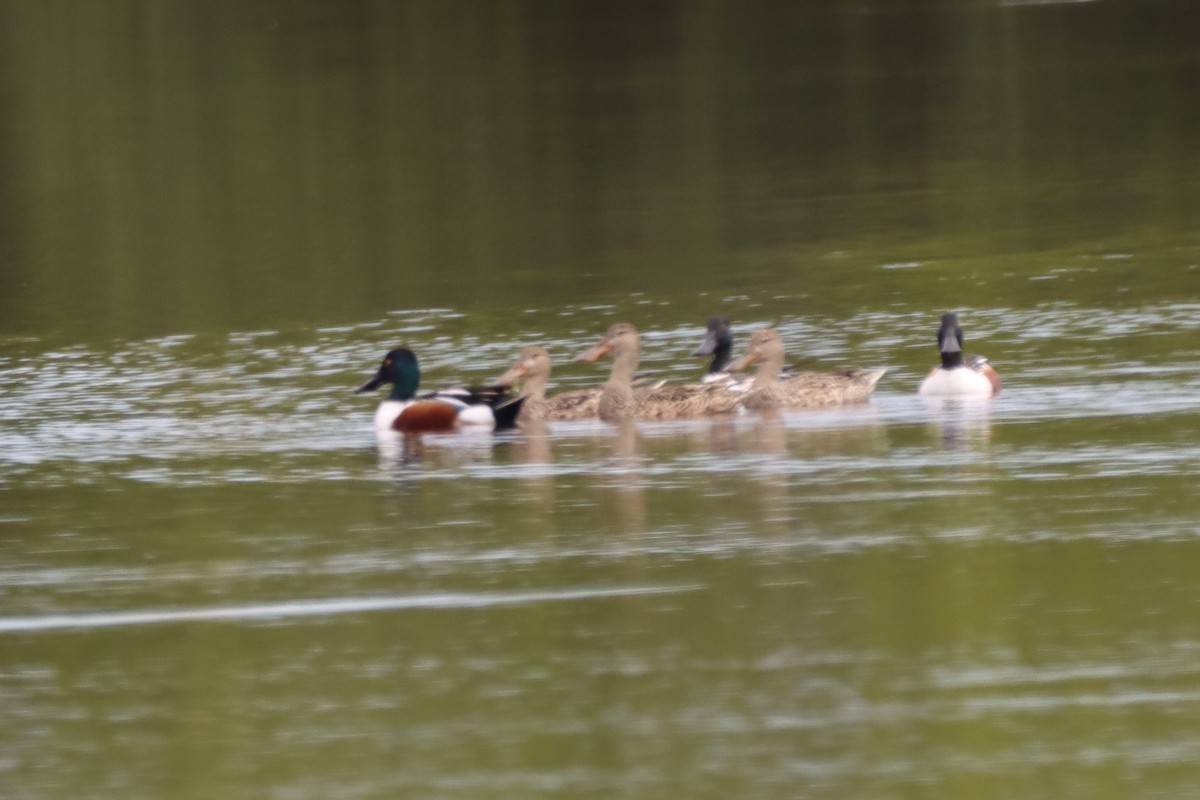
(619, 400)
(533, 367)
(802, 389)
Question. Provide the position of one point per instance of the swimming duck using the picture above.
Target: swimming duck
(802, 389)
(444, 410)
(533, 366)
(718, 343)
(958, 375)
(619, 400)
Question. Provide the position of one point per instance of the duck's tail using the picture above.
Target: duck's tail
(507, 411)
(871, 378)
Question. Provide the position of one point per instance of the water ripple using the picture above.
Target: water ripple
(178, 401)
(321, 607)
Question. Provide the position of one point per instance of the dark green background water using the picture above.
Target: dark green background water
(173, 166)
(215, 582)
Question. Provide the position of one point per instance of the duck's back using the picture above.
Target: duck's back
(685, 401)
(817, 390)
(575, 404)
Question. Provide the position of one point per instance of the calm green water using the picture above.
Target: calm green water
(217, 582)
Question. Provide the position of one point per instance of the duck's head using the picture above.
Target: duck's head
(619, 339)
(718, 343)
(765, 345)
(950, 335)
(534, 362)
(399, 368)
(950, 340)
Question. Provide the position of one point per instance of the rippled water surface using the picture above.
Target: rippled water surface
(216, 578)
(215, 582)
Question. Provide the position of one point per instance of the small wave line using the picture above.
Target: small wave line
(322, 607)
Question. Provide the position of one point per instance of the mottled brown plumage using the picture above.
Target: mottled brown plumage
(533, 367)
(803, 389)
(619, 400)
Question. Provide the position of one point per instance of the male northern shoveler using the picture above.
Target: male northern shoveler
(718, 343)
(801, 389)
(533, 367)
(619, 400)
(958, 375)
(444, 410)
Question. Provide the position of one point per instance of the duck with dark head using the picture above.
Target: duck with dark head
(718, 343)
(444, 410)
(959, 375)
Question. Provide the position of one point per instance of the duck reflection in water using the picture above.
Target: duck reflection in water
(532, 446)
(445, 450)
(961, 424)
(767, 440)
(399, 449)
(629, 489)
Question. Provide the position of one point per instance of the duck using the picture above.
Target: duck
(533, 367)
(445, 410)
(619, 400)
(958, 375)
(802, 389)
(718, 343)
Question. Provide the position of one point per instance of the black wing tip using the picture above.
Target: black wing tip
(507, 411)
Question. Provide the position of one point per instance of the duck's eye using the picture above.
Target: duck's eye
(387, 362)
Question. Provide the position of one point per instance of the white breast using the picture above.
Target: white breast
(479, 414)
(387, 412)
(957, 382)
